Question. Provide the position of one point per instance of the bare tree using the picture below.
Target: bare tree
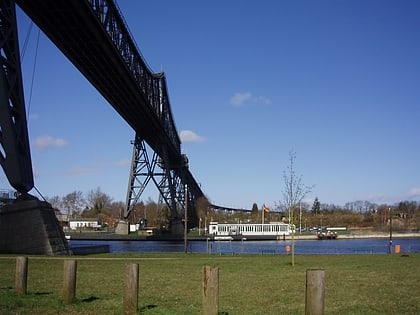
(73, 202)
(55, 201)
(293, 194)
(295, 190)
(202, 205)
(98, 200)
(203, 208)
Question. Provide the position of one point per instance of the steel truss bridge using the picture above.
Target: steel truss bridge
(93, 35)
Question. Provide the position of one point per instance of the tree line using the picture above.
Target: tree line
(97, 204)
(357, 214)
(363, 214)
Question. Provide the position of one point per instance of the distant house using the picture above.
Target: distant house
(63, 219)
(84, 223)
(6, 197)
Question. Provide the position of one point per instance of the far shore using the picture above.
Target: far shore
(361, 235)
(346, 236)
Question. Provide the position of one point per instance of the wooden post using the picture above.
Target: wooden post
(21, 279)
(210, 290)
(315, 292)
(131, 289)
(69, 285)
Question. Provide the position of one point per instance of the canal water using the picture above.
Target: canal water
(354, 246)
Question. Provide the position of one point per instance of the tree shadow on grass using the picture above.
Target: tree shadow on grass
(90, 299)
(42, 293)
(147, 307)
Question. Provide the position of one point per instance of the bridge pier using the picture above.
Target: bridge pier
(29, 226)
(177, 227)
(123, 228)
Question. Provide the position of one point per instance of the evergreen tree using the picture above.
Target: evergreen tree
(254, 212)
(316, 207)
(254, 208)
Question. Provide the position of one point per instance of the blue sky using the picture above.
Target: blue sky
(337, 82)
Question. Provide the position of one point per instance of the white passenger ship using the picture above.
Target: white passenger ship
(272, 229)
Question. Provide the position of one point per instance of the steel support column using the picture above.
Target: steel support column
(157, 169)
(141, 172)
(27, 226)
(15, 156)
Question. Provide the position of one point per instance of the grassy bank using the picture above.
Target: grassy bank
(249, 284)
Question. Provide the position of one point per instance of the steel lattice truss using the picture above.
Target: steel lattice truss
(152, 85)
(170, 185)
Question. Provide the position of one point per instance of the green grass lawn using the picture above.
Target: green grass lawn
(249, 284)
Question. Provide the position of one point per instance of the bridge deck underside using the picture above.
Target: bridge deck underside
(74, 29)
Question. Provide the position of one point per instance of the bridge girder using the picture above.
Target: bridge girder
(93, 35)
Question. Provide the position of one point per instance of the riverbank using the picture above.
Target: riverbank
(168, 238)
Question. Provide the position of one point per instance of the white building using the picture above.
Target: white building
(84, 223)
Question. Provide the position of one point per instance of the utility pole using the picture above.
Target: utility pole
(390, 230)
(262, 214)
(186, 221)
(300, 218)
(293, 239)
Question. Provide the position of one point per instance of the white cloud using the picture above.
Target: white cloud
(190, 136)
(122, 162)
(240, 99)
(379, 198)
(46, 142)
(78, 171)
(262, 100)
(413, 193)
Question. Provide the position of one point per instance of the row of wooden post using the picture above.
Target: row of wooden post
(69, 283)
(314, 303)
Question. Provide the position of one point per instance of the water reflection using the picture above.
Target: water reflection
(358, 246)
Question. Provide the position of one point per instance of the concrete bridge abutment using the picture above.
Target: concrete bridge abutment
(29, 226)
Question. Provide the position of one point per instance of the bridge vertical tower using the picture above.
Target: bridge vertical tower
(157, 169)
(28, 225)
(141, 172)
